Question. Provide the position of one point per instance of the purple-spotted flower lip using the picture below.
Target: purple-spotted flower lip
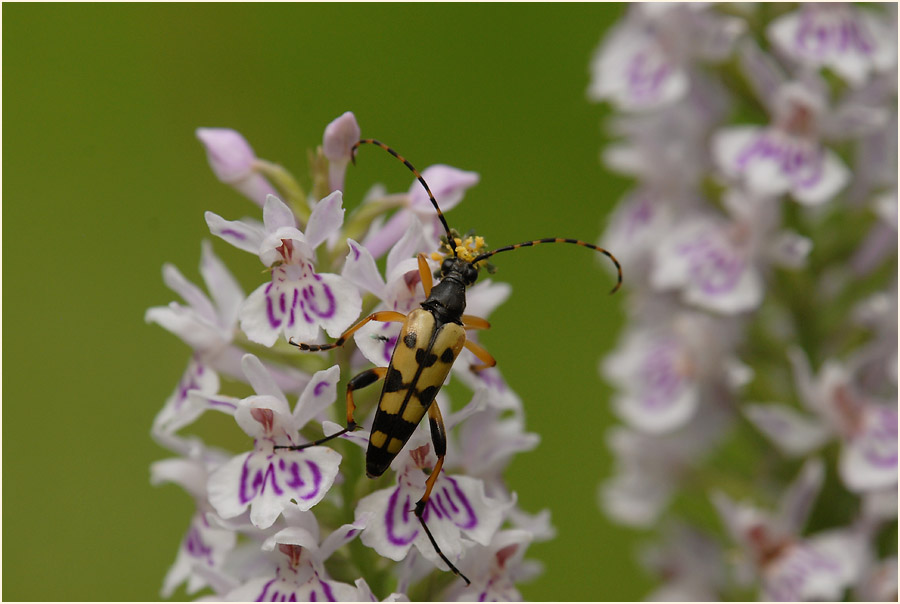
(269, 480)
(712, 262)
(715, 268)
(853, 41)
(789, 154)
(771, 162)
(879, 440)
(868, 461)
(296, 303)
(632, 70)
(663, 373)
(660, 379)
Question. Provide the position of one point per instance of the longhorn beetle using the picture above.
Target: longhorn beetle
(430, 341)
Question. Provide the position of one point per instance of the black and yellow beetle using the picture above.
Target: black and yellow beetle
(429, 342)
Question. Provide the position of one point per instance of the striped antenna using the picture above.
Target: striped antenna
(372, 141)
(508, 248)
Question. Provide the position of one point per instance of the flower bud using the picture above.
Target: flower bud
(340, 136)
(232, 160)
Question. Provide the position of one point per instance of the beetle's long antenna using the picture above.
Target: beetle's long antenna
(372, 141)
(556, 240)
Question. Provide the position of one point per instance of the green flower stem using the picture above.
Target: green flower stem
(363, 216)
(318, 169)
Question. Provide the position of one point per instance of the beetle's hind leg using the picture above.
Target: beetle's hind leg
(366, 378)
(487, 360)
(439, 439)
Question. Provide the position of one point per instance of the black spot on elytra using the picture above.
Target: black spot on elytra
(426, 395)
(425, 359)
(447, 356)
(410, 339)
(394, 381)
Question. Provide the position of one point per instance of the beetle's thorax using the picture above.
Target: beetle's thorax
(447, 301)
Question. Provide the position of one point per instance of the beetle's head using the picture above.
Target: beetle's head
(460, 269)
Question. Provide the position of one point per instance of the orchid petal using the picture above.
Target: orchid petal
(326, 218)
(277, 214)
(189, 292)
(360, 270)
(412, 242)
(240, 234)
(447, 184)
(791, 432)
(319, 394)
(259, 377)
(226, 292)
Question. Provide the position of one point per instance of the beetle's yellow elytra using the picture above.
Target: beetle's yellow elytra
(378, 438)
(420, 364)
(414, 411)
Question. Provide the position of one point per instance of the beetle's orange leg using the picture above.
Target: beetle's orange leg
(362, 380)
(473, 322)
(439, 438)
(483, 355)
(425, 274)
(385, 316)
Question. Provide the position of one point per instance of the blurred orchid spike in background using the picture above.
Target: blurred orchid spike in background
(757, 372)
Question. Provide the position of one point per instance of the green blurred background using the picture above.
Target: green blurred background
(105, 181)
